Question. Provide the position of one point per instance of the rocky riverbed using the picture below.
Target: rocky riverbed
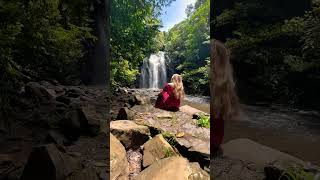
(55, 132)
(62, 132)
(268, 125)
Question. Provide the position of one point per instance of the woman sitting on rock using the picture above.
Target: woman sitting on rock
(171, 95)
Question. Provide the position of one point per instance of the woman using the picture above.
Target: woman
(171, 95)
(224, 103)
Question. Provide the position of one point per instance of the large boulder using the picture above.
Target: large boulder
(250, 151)
(84, 119)
(232, 169)
(38, 91)
(47, 162)
(73, 123)
(263, 158)
(195, 149)
(84, 174)
(129, 133)
(54, 136)
(155, 149)
(126, 114)
(119, 168)
(177, 168)
(141, 100)
(92, 117)
(9, 167)
(191, 111)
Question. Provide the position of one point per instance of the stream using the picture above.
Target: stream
(293, 131)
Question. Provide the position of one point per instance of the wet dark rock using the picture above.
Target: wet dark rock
(199, 115)
(131, 100)
(34, 89)
(141, 100)
(8, 167)
(83, 120)
(74, 92)
(61, 107)
(88, 173)
(47, 162)
(73, 123)
(126, 114)
(225, 168)
(93, 120)
(54, 136)
(127, 105)
(64, 99)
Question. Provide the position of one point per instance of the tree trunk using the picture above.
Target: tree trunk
(101, 53)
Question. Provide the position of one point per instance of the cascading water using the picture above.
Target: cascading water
(154, 71)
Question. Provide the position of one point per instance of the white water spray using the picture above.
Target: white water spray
(153, 71)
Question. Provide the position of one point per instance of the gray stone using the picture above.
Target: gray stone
(126, 114)
(119, 167)
(177, 168)
(129, 133)
(47, 162)
(155, 149)
(35, 90)
(88, 173)
(250, 151)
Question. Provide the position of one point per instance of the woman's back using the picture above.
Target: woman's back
(171, 95)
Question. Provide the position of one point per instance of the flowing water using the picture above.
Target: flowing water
(294, 131)
(153, 71)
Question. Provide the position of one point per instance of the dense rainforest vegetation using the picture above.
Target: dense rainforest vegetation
(187, 45)
(274, 44)
(62, 40)
(275, 48)
(135, 35)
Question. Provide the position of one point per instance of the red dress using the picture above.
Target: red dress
(216, 133)
(167, 100)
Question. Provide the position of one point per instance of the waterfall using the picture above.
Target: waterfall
(154, 71)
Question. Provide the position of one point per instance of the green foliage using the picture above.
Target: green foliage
(274, 54)
(122, 74)
(168, 153)
(197, 79)
(39, 38)
(204, 121)
(170, 138)
(187, 44)
(52, 47)
(297, 173)
(134, 35)
(35, 36)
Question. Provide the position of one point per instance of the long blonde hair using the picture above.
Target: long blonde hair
(225, 102)
(178, 91)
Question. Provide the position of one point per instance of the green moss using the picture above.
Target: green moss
(168, 153)
(296, 173)
(204, 121)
